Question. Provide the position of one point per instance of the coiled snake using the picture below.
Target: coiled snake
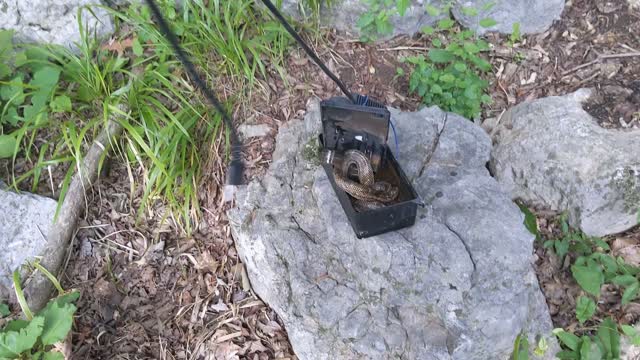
(368, 193)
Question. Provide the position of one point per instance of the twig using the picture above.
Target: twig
(400, 48)
(600, 58)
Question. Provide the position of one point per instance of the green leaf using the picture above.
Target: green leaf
(4, 310)
(562, 247)
(432, 10)
(429, 31)
(13, 343)
(520, 348)
(16, 325)
(462, 68)
(568, 339)
(436, 42)
(630, 293)
(488, 22)
(436, 89)
(60, 104)
(447, 78)
(585, 308)
(488, 6)
(610, 339)
(440, 56)
(445, 24)
(7, 146)
(632, 333)
(136, 47)
(402, 6)
(542, 347)
(590, 278)
(46, 78)
(6, 41)
(585, 349)
(53, 355)
(13, 91)
(624, 280)
(58, 321)
(470, 11)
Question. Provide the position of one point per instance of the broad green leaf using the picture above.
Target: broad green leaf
(7, 146)
(61, 103)
(609, 338)
(630, 293)
(5, 70)
(447, 78)
(13, 91)
(488, 22)
(568, 339)
(53, 355)
(600, 243)
(402, 6)
(585, 308)
(632, 333)
(436, 89)
(6, 41)
(624, 280)
(585, 349)
(46, 78)
(462, 68)
(13, 343)
(436, 42)
(590, 278)
(429, 31)
(432, 10)
(471, 47)
(4, 310)
(445, 24)
(16, 325)
(58, 321)
(568, 355)
(440, 56)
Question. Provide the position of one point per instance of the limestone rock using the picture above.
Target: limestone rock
(552, 153)
(52, 21)
(457, 285)
(25, 219)
(533, 16)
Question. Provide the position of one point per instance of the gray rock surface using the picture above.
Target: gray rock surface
(534, 16)
(456, 285)
(552, 153)
(25, 219)
(52, 21)
(248, 131)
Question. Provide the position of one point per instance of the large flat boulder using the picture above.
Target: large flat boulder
(25, 220)
(553, 154)
(457, 285)
(53, 21)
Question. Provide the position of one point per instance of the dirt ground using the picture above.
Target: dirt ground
(151, 292)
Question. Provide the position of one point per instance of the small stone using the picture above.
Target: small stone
(249, 131)
(25, 220)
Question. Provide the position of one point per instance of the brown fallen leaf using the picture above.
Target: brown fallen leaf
(628, 249)
(118, 46)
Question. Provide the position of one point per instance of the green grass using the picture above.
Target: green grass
(168, 126)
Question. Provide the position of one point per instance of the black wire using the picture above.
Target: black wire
(234, 173)
(308, 50)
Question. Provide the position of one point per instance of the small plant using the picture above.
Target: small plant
(450, 75)
(521, 347)
(574, 241)
(37, 336)
(375, 22)
(605, 344)
(515, 36)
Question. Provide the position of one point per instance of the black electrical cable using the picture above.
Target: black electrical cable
(308, 50)
(234, 172)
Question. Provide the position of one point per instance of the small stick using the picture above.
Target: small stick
(600, 58)
(400, 48)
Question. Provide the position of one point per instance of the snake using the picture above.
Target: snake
(368, 193)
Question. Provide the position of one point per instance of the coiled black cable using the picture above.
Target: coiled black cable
(235, 169)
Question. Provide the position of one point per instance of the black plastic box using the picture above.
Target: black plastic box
(347, 126)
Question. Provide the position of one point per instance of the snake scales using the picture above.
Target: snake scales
(368, 193)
